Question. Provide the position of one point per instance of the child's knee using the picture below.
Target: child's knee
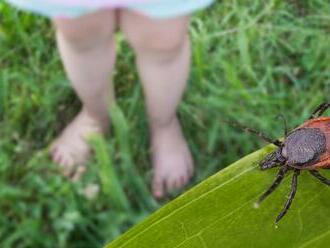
(156, 42)
(160, 37)
(162, 43)
(87, 31)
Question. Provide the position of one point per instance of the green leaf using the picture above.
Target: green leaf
(220, 212)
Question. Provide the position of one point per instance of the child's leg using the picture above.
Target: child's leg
(163, 58)
(87, 50)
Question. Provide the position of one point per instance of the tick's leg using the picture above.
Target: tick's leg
(258, 133)
(291, 196)
(285, 124)
(320, 110)
(269, 166)
(321, 178)
(278, 179)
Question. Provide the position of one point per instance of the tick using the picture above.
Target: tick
(307, 147)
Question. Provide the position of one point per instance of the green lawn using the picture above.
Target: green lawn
(252, 60)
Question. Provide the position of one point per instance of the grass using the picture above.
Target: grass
(251, 61)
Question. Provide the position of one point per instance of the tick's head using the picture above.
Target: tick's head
(273, 159)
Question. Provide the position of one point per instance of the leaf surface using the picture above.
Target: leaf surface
(220, 212)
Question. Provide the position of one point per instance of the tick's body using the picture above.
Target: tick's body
(305, 148)
(322, 159)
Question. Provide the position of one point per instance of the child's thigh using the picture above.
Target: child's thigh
(90, 27)
(156, 34)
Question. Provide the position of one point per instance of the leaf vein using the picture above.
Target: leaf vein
(188, 203)
(309, 242)
(214, 222)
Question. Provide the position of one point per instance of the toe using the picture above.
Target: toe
(169, 184)
(65, 162)
(183, 180)
(78, 173)
(172, 183)
(56, 157)
(178, 184)
(60, 160)
(158, 188)
(69, 168)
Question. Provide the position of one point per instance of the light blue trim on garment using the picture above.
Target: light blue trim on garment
(48, 9)
(160, 9)
(171, 8)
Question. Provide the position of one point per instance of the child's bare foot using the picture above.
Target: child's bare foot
(71, 150)
(172, 160)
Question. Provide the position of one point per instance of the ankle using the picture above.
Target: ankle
(98, 118)
(164, 126)
(161, 124)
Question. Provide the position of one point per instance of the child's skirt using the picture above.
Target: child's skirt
(76, 8)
